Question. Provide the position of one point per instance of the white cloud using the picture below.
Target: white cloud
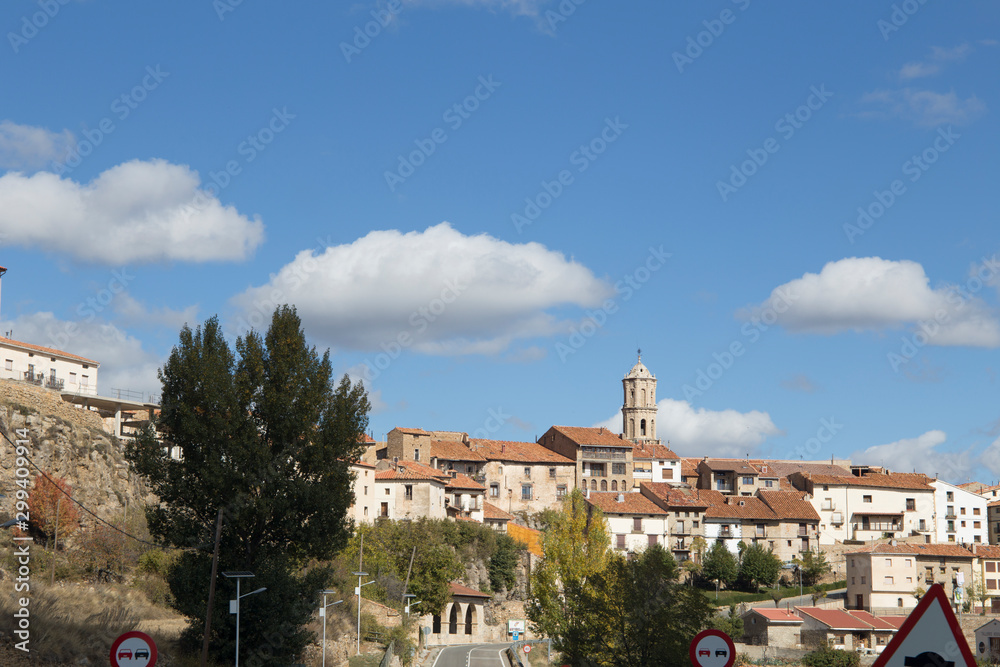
(27, 147)
(919, 454)
(124, 362)
(924, 108)
(701, 432)
(135, 212)
(872, 294)
(437, 292)
(133, 313)
(935, 62)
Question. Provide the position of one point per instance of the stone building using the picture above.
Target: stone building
(882, 578)
(464, 497)
(410, 490)
(634, 521)
(408, 444)
(523, 476)
(685, 509)
(463, 620)
(772, 627)
(603, 459)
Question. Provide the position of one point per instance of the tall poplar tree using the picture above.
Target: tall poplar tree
(265, 436)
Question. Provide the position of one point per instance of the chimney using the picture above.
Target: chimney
(621, 497)
(587, 493)
(503, 448)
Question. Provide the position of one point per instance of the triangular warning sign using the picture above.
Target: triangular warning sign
(930, 637)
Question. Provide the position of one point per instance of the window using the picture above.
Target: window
(617, 468)
(84, 381)
(826, 487)
(561, 491)
(961, 510)
(862, 579)
(963, 524)
(387, 492)
(976, 538)
(908, 562)
(899, 602)
(975, 511)
(888, 581)
(951, 496)
(637, 524)
(769, 483)
(748, 480)
(416, 454)
(909, 580)
(911, 504)
(652, 540)
(408, 492)
(694, 524)
(366, 511)
(866, 499)
(494, 490)
(8, 365)
(853, 581)
(667, 473)
(976, 524)
(552, 473)
(620, 541)
(828, 503)
(366, 490)
(888, 562)
(991, 566)
(72, 377)
(527, 472)
(526, 492)
(614, 485)
(991, 584)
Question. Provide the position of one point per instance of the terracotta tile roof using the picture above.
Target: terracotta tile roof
(975, 487)
(459, 589)
(689, 467)
(412, 431)
(874, 621)
(673, 496)
(895, 621)
(741, 507)
(893, 480)
(647, 451)
(993, 503)
(464, 482)
(521, 452)
(836, 619)
(738, 466)
(452, 450)
(362, 464)
(786, 468)
(597, 435)
(51, 351)
(411, 470)
(987, 551)
(946, 550)
(776, 615)
(494, 513)
(790, 505)
(632, 503)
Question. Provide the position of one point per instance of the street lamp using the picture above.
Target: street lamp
(322, 612)
(357, 591)
(234, 605)
(409, 603)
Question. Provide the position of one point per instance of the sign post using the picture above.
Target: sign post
(133, 649)
(712, 648)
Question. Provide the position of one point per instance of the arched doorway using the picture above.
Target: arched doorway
(436, 624)
(604, 485)
(470, 618)
(453, 620)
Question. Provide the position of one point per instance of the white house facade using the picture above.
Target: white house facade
(47, 367)
(961, 515)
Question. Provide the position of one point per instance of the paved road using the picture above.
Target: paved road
(477, 655)
(804, 601)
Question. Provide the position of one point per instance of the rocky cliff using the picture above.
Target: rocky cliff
(69, 442)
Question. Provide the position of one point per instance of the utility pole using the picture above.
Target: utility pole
(211, 591)
(55, 545)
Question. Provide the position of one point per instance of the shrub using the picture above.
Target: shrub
(825, 656)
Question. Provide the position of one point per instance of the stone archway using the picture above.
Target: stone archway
(470, 619)
(453, 619)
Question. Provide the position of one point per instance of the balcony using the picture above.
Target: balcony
(53, 383)
(725, 534)
(680, 531)
(803, 532)
(595, 473)
(602, 455)
(951, 515)
(680, 546)
(34, 378)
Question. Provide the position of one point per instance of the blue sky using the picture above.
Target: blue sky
(484, 207)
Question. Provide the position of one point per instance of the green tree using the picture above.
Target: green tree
(266, 438)
(503, 563)
(720, 565)
(637, 614)
(758, 567)
(575, 547)
(731, 623)
(813, 565)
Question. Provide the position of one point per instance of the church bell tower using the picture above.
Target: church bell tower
(639, 408)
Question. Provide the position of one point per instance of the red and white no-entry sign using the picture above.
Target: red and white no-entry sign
(133, 649)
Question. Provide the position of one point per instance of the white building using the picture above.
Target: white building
(655, 463)
(961, 515)
(634, 521)
(364, 509)
(47, 367)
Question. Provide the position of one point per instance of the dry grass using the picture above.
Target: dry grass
(69, 621)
